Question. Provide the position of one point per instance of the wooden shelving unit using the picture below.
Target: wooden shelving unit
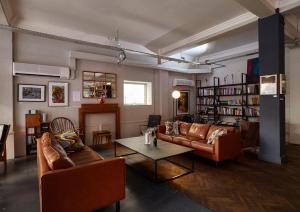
(214, 103)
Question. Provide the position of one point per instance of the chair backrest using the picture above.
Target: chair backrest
(4, 129)
(60, 125)
(154, 120)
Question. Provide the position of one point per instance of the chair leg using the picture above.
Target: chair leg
(118, 206)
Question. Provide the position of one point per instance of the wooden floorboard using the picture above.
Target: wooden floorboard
(244, 185)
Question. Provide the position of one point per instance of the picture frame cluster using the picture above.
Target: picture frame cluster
(58, 93)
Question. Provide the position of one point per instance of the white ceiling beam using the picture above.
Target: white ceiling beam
(8, 11)
(210, 33)
(263, 8)
(230, 53)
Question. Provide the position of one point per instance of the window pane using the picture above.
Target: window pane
(134, 94)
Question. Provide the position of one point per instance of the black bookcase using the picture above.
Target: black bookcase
(214, 103)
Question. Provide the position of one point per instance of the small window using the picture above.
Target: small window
(137, 93)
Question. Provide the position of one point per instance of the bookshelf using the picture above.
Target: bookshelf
(217, 103)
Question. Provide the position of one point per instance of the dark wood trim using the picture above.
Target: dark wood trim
(99, 108)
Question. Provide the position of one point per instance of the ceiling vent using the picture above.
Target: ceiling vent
(41, 70)
(183, 82)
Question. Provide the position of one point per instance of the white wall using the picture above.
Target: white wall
(6, 88)
(32, 49)
(293, 95)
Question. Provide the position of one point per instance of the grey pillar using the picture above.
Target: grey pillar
(272, 108)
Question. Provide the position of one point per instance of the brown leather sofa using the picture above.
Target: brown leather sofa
(90, 183)
(227, 146)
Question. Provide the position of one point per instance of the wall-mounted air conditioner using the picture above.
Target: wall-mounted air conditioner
(183, 82)
(41, 70)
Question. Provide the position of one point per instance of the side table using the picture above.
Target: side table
(98, 135)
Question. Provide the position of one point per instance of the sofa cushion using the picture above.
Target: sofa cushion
(169, 127)
(165, 137)
(203, 147)
(186, 143)
(198, 131)
(179, 139)
(215, 127)
(184, 128)
(70, 141)
(56, 157)
(87, 155)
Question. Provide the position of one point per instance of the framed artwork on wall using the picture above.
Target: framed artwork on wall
(31, 93)
(183, 106)
(58, 94)
(268, 85)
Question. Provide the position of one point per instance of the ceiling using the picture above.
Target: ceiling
(163, 27)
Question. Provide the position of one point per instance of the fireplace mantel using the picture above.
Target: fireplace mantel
(98, 108)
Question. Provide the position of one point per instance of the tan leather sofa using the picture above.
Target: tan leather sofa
(90, 184)
(195, 136)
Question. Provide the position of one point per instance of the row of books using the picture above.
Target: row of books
(206, 92)
(206, 101)
(230, 111)
(231, 102)
(229, 91)
(251, 112)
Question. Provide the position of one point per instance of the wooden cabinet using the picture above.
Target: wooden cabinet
(34, 129)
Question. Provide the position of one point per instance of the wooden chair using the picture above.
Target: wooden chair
(60, 125)
(4, 130)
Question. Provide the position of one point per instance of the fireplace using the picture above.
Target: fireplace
(98, 108)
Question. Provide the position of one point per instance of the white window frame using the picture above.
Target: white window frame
(147, 94)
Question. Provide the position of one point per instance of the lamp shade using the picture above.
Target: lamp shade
(175, 94)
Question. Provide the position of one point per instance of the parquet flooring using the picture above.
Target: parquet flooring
(244, 185)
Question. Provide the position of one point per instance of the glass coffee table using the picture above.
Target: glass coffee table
(163, 151)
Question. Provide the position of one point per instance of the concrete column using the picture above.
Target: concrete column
(272, 107)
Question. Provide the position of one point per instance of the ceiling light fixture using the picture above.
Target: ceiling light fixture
(121, 56)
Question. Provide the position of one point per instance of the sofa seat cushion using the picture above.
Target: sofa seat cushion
(184, 128)
(186, 143)
(203, 147)
(85, 156)
(198, 131)
(165, 137)
(56, 157)
(179, 139)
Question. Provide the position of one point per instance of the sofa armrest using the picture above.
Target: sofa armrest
(228, 146)
(161, 129)
(83, 188)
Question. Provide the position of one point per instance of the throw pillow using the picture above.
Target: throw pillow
(70, 141)
(214, 135)
(176, 128)
(172, 128)
(169, 127)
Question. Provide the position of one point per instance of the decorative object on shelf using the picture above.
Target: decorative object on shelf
(268, 85)
(175, 96)
(101, 100)
(32, 111)
(282, 84)
(97, 84)
(183, 106)
(31, 93)
(58, 94)
(252, 70)
(44, 117)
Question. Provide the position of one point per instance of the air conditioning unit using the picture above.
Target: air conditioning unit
(41, 70)
(183, 82)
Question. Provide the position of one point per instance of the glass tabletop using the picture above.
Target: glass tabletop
(162, 150)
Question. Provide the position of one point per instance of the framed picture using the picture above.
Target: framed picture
(183, 106)
(58, 94)
(268, 85)
(31, 93)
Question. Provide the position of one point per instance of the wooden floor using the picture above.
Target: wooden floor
(246, 185)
